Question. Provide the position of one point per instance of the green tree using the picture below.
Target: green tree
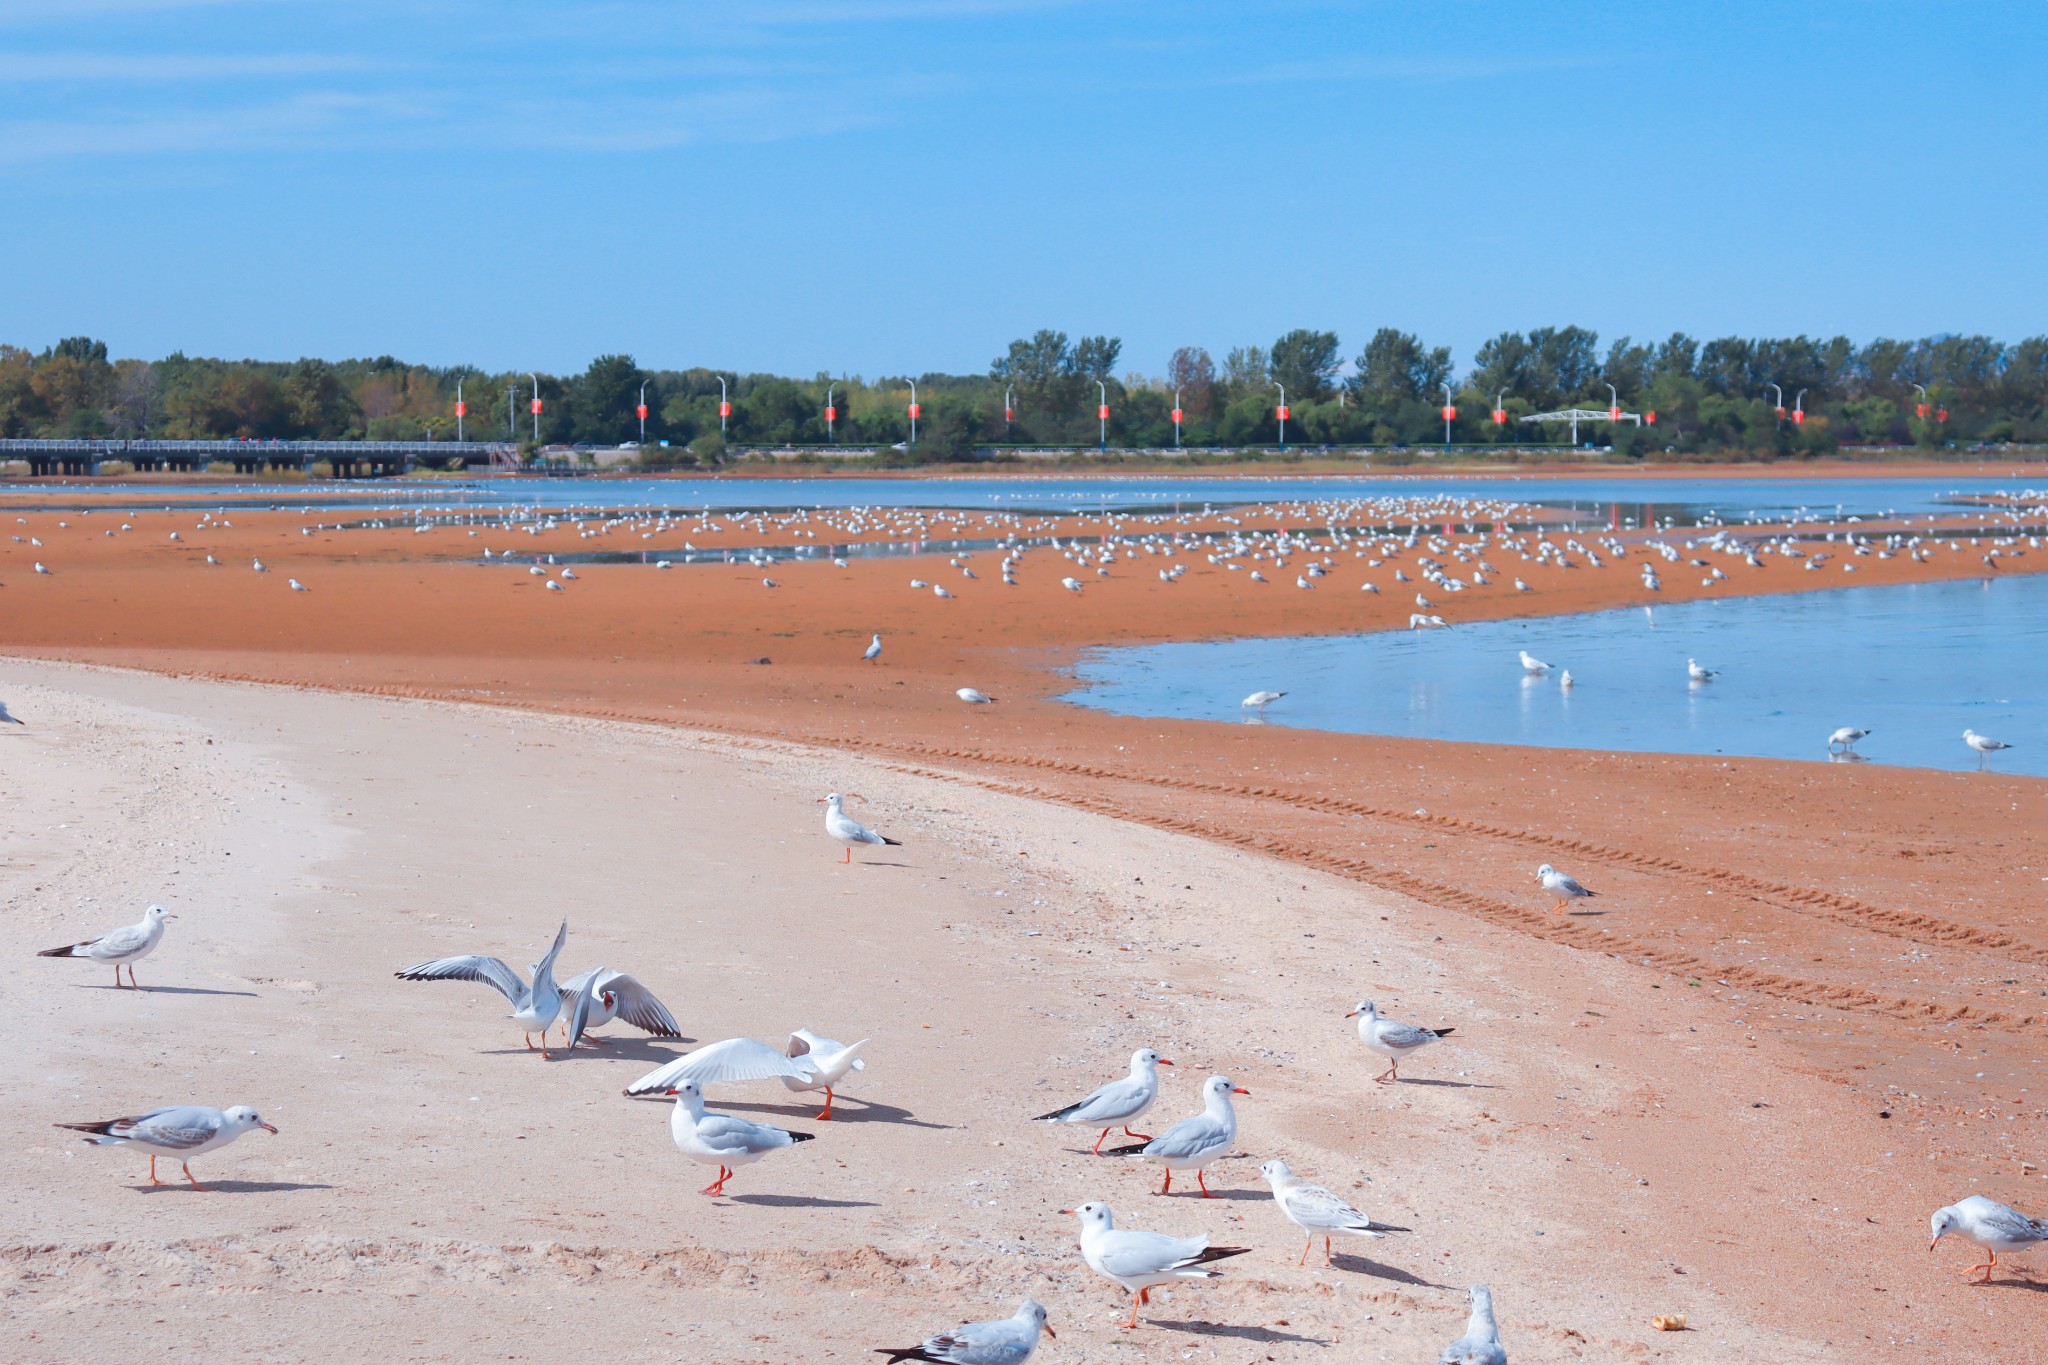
(1306, 362)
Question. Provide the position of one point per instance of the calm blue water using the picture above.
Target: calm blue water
(1623, 499)
(1914, 664)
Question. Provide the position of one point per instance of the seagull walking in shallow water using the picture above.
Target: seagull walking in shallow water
(129, 944)
(1558, 884)
(1533, 665)
(1845, 738)
(1984, 745)
(1259, 701)
(183, 1131)
(1699, 674)
(1390, 1039)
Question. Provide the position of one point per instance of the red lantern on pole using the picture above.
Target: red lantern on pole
(536, 407)
(641, 411)
(1500, 417)
(461, 408)
(1799, 417)
(1942, 415)
(1614, 414)
(831, 414)
(915, 411)
(724, 408)
(1009, 413)
(1102, 413)
(1177, 416)
(1650, 418)
(1920, 410)
(1280, 412)
(1450, 413)
(1781, 414)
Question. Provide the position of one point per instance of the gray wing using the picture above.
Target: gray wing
(723, 1133)
(474, 967)
(1571, 886)
(1126, 1251)
(1111, 1101)
(638, 1007)
(1314, 1205)
(983, 1343)
(1404, 1035)
(119, 942)
(1189, 1137)
(546, 970)
(733, 1059)
(183, 1127)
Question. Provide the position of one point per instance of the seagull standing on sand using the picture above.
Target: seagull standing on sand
(973, 696)
(533, 1007)
(848, 830)
(1481, 1343)
(595, 998)
(1984, 745)
(1559, 885)
(129, 944)
(1391, 1040)
(1006, 1341)
(1845, 738)
(873, 651)
(1991, 1225)
(1259, 701)
(1143, 1261)
(1317, 1211)
(183, 1131)
(1192, 1144)
(1533, 665)
(9, 718)
(1118, 1102)
(720, 1139)
(1698, 674)
(297, 586)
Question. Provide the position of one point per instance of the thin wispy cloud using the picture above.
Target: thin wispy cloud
(20, 68)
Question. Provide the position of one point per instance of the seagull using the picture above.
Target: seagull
(182, 1130)
(1118, 1102)
(1558, 884)
(128, 944)
(1481, 1343)
(1698, 674)
(257, 564)
(1533, 664)
(848, 830)
(1259, 701)
(1143, 1261)
(296, 585)
(8, 717)
(1846, 737)
(1984, 745)
(1005, 1341)
(1316, 1210)
(973, 696)
(1071, 584)
(1391, 1040)
(553, 586)
(720, 1139)
(533, 1007)
(770, 583)
(1193, 1143)
(1520, 586)
(939, 590)
(873, 651)
(40, 568)
(808, 1063)
(594, 998)
(1565, 680)
(1991, 1225)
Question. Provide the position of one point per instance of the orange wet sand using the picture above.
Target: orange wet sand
(1875, 930)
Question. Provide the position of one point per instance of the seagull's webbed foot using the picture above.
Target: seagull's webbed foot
(1202, 1180)
(828, 1104)
(1142, 1137)
(188, 1176)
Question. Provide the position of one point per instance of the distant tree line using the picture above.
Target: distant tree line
(1721, 395)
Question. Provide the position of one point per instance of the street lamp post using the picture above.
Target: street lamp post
(1613, 404)
(461, 409)
(1281, 413)
(511, 412)
(642, 410)
(1176, 419)
(1500, 408)
(724, 407)
(1799, 409)
(1781, 398)
(1009, 411)
(1921, 408)
(1450, 415)
(913, 412)
(1102, 414)
(831, 414)
(536, 407)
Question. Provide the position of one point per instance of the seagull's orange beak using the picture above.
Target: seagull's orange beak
(1351, 1014)
(1049, 1332)
(1164, 1062)
(1068, 1212)
(1933, 1244)
(269, 1128)
(1239, 1090)
(671, 1092)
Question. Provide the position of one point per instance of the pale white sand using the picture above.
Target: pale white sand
(437, 1193)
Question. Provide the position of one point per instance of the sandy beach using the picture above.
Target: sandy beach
(1735, 1092)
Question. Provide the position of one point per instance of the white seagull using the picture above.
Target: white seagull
(1565, 680)
(848, 830)
(1317, 1211)
(1532, 664)
(1846, 737)
(873, 651)
(1566, 889)
(1259, 701)
(8, 717)
(1984, 745)
(1193, 1143)
(595, 998)
(1391, 1040)
(183, 1131)
(1481, 1343)
(533, 1007)
(808, 1063)
(1991, 1225)
(1005, 1341)
(1698, 674)
(129, 944)
(1143, 1261)
(973, 696)
(297, 586)
(720, 1139)
(1118, 1102)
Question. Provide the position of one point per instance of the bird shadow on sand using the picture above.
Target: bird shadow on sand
(1443, 1084)
(163, 990)
(872, 863)
(2037, 1286)
(654, 1050)
(1237, 1331)
(799, 1201)
(232, 1187)
(844, 1110)
(1195, 1192)
(1363, 1265)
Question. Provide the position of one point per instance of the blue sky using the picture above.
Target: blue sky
(888, 186)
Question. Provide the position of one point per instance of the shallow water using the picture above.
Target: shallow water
(1914, 664)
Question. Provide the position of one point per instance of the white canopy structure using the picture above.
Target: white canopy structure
(1578, 415)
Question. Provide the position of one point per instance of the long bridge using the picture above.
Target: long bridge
(349, 459)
